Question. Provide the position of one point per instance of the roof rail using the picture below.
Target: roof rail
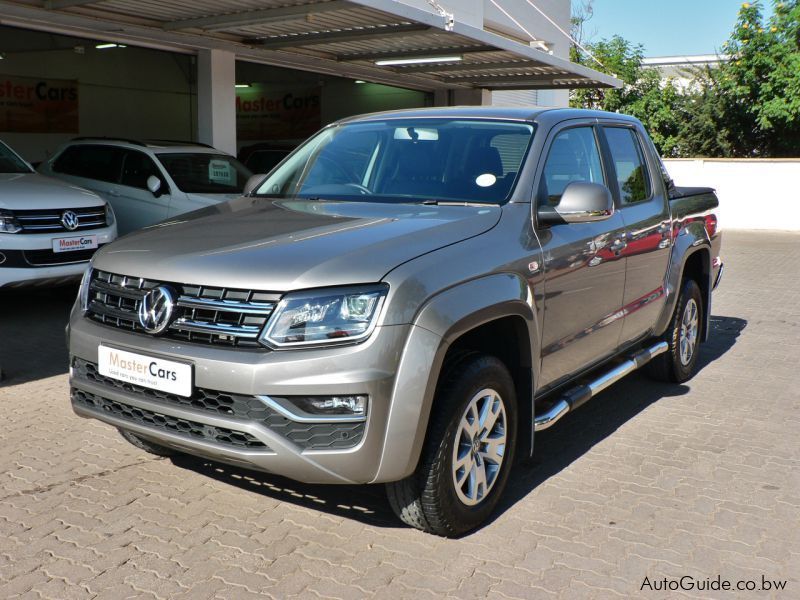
(108, 139)
(180, 143)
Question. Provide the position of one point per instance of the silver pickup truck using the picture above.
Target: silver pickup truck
(407, 298)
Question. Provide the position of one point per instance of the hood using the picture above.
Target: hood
(282, 245)
(32, 191)
(213, 198)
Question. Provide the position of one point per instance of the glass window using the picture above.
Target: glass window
(626, 152)
(136, 168)
(406, 160)
(205, 172)
(10, 162)
(102, 163)
(573, 156)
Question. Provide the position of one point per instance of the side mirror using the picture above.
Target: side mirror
(154, 185)
(581, 202)
(252, 184)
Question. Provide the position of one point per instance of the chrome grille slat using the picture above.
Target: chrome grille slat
(203, 314)
(49, 219)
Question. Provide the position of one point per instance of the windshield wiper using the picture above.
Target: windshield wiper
(432, 202)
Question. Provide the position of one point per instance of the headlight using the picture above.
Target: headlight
(110, 217)
(83, 291)
(8, 224)
(325, 317)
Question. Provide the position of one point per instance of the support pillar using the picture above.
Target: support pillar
(216, 99)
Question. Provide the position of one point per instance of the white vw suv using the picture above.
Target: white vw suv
(48, 229)
(148, 182)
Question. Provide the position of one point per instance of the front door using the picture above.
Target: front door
(136, 206)
(583, 263)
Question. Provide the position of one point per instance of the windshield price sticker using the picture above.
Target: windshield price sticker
(220, 171)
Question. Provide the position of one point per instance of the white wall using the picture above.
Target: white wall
(753, 193)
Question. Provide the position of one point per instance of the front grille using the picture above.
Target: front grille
(154, 420)
(49, 220)
(46, 258)
(203, 314)
(316, 436)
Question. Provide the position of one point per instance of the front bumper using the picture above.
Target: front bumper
(253, 437)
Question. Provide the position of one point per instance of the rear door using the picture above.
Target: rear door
(584, 271)
(645, 211)
(135, 205)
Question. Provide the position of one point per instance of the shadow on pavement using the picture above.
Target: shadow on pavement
(32, 341)
(555, 448)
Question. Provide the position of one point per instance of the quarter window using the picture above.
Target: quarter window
(628, 158)
(573, 156)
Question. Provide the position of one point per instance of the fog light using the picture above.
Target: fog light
(331, 405)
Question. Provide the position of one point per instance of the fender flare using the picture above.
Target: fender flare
(440, 321)
(690, 239)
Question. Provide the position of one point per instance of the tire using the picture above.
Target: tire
(146, 445)
(683, 336)
(431, 499)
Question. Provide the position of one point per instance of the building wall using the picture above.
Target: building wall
(125, 92)
(753, 194)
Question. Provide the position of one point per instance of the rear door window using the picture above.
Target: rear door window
(629, 163)
(102, 163)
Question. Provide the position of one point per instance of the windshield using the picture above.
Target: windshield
(10, 162)
(408, 160)
(205, 173)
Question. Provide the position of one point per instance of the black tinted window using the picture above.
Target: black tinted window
(136, 168)
(573, 156)
(626, 152)
(93, 162)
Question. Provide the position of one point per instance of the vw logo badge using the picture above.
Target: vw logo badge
(155, 309)
(69, 220)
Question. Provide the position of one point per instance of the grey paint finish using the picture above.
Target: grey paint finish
(449, 270)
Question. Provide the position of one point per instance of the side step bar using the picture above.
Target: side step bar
(578, 396)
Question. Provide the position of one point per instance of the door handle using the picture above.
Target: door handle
(618, 245)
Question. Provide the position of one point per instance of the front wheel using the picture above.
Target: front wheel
(468, 451)
(683, 336)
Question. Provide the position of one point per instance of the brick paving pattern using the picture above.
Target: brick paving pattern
(646, 480)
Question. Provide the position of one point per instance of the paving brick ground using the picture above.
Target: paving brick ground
(647, 480)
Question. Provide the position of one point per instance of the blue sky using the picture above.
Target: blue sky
(667, 27)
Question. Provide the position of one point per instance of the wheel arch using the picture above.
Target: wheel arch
(485, 310)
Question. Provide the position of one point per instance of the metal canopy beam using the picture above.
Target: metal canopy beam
(458, 67)
(332, 37)
(388, 55)
(58, 4)
(257, 17)
(481, 80)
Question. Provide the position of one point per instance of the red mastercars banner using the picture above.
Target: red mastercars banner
(29, 105)
(267, 114)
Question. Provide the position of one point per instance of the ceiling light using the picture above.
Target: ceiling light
(417, 61)
(242, 85)
(360, 81)
(107, 46)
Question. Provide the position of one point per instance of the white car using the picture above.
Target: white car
(148, 182)
(48, 229)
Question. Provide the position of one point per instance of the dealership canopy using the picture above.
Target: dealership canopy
(376, 40)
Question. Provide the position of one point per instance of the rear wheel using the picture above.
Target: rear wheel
(468, 451)
(683, 336)
(146, 445)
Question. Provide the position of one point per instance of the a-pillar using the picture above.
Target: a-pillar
(216, 99)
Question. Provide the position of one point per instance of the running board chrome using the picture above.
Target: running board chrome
(581, 394)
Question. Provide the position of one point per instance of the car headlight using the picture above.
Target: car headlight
(83, 291)
(110, 217)
(8, 224)
(325, 317)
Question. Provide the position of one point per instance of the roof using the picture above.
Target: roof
(168, 146)
(337, 37)
(513, 113)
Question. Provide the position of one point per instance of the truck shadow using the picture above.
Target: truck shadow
(32, 341)
(555, 448)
